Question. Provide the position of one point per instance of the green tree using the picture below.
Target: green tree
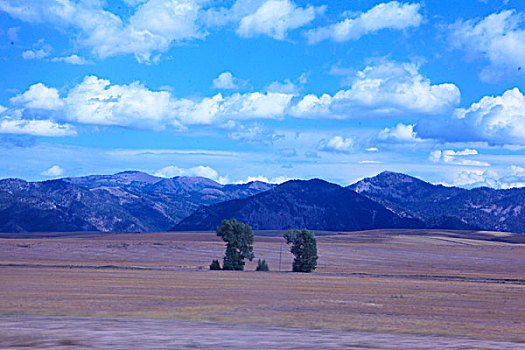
(262, 266)
(304, 247)
(239, 244)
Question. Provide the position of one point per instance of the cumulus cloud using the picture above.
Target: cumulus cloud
(35, 128)
(40, 50)
(154, 26)
(336, 144)
(275, 18)
(39, 96)
(254, 105)
(96, 101)
(385, 89)
(286, 87)
(391, 15)
(510, 177)
(73, 59)
(498, 38)
(494, 119)
(456, 157)
(36, 54)
(54, 171)
(400, 133)
(200, 171)
(226, 81)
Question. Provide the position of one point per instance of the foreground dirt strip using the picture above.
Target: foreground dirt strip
(39, 332)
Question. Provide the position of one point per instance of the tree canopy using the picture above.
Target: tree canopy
(304, 247)
(239, 244)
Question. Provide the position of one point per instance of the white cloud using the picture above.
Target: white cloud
(200, 171)
(275, 18)
(73, 59)
(12, 33)
(372, 149)
(254, 105)
(435, 156)
(336, 144)
(96, 101)
(2, 109)
(255, 133)
(391, 15)
(400, 133)
(36, 54)
(225, 81)
(39, 96)
(510, 177)
(499, 38)
(40, 50)
(286, 87)
(36, 128)
(275, 180)
(385, 89)
(496, 120)
(54, 171)
(153, 27)
(456, 157)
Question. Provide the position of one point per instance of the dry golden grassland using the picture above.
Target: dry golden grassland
(376, 281)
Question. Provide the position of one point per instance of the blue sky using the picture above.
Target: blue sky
(264, 89)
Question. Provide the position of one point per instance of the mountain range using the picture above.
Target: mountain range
(445, 207)
(129, 201)
(313, 204)
(133, 201)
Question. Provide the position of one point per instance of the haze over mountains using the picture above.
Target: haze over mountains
(134, 201)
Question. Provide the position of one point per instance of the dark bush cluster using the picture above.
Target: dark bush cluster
(262, 266)
(215, 265)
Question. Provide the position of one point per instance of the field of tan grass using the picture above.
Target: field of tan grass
(436, 284)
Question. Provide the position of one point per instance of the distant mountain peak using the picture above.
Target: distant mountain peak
(314, 204)
(133, 172)
(397, 176)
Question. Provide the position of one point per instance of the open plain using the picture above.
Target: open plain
(375, 289)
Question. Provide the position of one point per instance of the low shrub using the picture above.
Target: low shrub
(215, 265)
(262, 266)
